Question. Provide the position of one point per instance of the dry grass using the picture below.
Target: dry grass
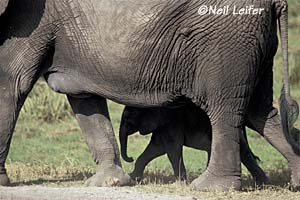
(270, 193)
(27, 174)
(156, 182)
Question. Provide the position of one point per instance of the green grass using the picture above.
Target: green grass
(49, 149)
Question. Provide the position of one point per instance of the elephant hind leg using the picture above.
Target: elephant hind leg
(269, 126)
(224, 168)
(175, 156)
(173, 139)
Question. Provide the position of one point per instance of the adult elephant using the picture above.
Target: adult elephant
(146, 53)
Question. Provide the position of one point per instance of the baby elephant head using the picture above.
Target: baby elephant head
(144, 120)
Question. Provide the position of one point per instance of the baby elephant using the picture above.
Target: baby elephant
(171, 129)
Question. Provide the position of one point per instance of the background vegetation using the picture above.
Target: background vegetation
(48, 147)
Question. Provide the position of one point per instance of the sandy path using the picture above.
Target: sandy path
(79, 193)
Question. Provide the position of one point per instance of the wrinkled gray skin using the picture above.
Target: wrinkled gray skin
(149, 53)
(171, 129)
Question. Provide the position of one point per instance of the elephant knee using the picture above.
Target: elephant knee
(55, 82)
(67, 84)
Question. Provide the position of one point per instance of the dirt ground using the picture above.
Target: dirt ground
(79, 193)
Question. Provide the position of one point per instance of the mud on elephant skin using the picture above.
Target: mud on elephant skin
(171, 130)
(147, 53)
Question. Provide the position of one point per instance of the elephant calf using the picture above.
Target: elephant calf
(173, 128)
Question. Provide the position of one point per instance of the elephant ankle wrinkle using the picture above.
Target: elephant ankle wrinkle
(107, 165)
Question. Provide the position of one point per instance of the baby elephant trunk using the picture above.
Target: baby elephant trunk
(124, 132)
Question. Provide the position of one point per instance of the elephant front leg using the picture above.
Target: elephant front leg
(10, 106)
(92, 115)
(154, 149)
(224, 168)
(7, 124)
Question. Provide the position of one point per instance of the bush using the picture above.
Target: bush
(294, 6)
(46, 105)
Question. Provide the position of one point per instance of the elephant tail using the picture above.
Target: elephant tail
(289, 109)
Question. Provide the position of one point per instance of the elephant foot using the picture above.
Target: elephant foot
(210, 182)
(295, 176)
(136, 176)
(109, 177)
(4, 180)
(181, 178)
(261, 180)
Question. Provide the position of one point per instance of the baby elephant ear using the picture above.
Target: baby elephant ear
(3, 5)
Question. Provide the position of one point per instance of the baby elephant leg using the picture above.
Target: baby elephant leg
(250, 161)
(154, 149)
(175, 156)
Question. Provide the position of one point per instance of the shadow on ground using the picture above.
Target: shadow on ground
(82, 176)
(277, 179)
